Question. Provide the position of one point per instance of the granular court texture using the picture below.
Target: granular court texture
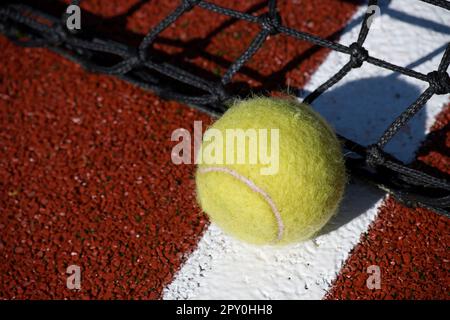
(410, 246)
(86, 176)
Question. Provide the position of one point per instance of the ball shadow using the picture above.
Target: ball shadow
(361, 110)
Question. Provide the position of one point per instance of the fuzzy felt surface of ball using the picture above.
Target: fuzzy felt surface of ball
(271, 171)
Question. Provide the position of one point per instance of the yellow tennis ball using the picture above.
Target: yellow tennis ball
(246, 192)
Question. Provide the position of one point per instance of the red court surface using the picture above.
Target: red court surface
(86, 176)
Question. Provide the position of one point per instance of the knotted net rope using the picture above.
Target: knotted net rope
(31, 27)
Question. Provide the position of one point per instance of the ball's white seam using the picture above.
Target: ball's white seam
(256, 189)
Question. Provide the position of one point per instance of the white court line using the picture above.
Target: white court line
(359, 108)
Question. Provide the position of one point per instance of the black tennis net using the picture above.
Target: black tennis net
(29, 26)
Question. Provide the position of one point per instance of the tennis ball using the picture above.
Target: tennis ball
(265, 202)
